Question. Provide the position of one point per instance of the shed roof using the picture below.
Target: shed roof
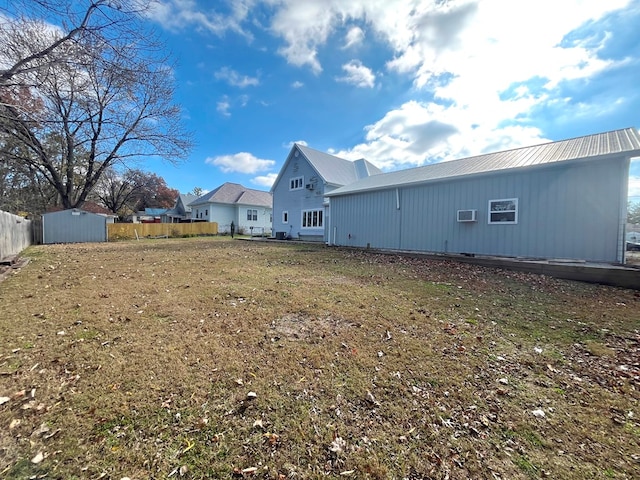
(90, 207)
(233, 194)
(625, 141)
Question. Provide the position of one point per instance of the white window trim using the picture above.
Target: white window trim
(515, 211)
(285, 213)
(296, 183)
(320, 217)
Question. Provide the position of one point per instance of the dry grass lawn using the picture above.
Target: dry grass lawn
(218, 358)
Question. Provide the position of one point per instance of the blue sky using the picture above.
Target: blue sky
(399, 82)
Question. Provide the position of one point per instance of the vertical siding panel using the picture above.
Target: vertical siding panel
(565, 211)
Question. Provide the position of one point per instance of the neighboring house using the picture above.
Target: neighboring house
(181, 211)
(76, 225)
(149, 215)
(562, 200)
(300, 208)
(250, 210)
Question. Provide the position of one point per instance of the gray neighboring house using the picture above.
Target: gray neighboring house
(559, 200)
(250, 210)
(300, 207)
(181, 211)
(75, 225)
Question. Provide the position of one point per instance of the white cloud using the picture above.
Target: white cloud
(265, 180)
(290, 145)
(419, 133)
(223, 106)
(235, 79)
(242, 162)
(354, 37)
(466, 54)
(358, 75)
(474, 60)
(179, 15)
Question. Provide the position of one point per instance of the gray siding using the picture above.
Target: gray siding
(295, 201)
(73, 226)
(570, 210)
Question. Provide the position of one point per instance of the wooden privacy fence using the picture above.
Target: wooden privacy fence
(15, 234)
(131, 231)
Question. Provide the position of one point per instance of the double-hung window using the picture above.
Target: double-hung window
(503, 211)
(252, 215)
(296, 183)
(312, 218)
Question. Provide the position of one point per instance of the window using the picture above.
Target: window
(503, 211)
(285, 217)
(206, 213)
(312, 218)
(296, 183)
(252, 215)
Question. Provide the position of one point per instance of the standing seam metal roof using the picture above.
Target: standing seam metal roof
(598, 145)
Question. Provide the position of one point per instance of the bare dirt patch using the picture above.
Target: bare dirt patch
(214, 358)
(306, 327)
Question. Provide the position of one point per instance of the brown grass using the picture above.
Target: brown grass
(137, 359)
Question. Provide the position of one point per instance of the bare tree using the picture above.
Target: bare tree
(22, 190)
(101, 98)
(78, 21)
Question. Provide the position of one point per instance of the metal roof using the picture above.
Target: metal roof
(234, 193)
(625, 141)
(335, 170)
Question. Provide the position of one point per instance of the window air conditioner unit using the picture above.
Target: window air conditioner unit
(309, 186)
(467, 215)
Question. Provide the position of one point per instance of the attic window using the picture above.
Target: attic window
(296, 183)
(503, 211)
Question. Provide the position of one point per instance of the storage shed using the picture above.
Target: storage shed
(74, 226)
(563, 199)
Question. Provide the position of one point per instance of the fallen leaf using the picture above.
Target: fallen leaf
(338, 445)
(38, 458)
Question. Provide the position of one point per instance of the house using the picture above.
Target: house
(250, 210)
(149, 215)
(76, 225)
(299, 202)
(181, 211)
(559, 200)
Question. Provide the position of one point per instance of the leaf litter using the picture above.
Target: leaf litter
(153, 380)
